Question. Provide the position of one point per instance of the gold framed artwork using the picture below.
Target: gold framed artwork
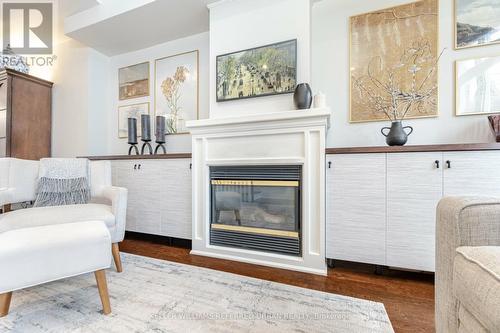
(477, 86)
(130, 111)
(393, 63)
(477, 23)
(177, 90)
(133, 81)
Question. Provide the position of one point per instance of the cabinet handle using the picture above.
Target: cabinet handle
(437, 164)
(448, 164)
(329, 164)
(135, 166)
(190, 166)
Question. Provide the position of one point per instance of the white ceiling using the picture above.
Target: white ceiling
(146, 25)
(70, 7)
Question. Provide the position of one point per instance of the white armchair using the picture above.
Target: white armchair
(18, 182)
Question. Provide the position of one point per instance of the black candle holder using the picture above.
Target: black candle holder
(148, 145)
(133, 147)
(162, 146)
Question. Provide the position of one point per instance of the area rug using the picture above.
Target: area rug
(160, 296)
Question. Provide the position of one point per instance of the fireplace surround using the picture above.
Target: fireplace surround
(221, 149)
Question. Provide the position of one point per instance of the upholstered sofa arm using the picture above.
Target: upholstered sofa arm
(118, 198)
(460, 221)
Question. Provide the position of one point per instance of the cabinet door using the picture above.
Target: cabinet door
(356, 212)
(472, 173)
(414, 188)
(176, 199)
(141, 178)
(122, 174)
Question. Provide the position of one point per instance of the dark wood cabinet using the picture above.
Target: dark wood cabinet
(25, 115)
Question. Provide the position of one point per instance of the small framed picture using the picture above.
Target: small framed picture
(477, 86)
(134, 81)
(130, 111)
(477, 23)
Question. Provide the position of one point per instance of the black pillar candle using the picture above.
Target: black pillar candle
(145, 127)
(160, 129)
(132, 131)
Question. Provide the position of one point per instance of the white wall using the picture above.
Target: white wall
(79, 101)
(99, 103)
(175, 143)
(330, 74)
(79, 95)
(241, 24)
(70, 100)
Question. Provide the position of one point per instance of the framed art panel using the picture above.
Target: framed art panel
(393, 63)
(177, 90)
(477, 86)
(262, 71)
(477, 23)
(134, 81)
(130, 111)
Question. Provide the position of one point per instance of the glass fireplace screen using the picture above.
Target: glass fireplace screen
(257, 210)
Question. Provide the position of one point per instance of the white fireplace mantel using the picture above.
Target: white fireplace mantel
(290, 137)
(268, 121)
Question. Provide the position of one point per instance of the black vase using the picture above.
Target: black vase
(302, 97)
(397, 135)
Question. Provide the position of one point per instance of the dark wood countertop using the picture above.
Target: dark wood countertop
(139, 157)
(346, 150)
(419, 148)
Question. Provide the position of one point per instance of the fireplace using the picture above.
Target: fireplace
(256, 208)
(270, 164)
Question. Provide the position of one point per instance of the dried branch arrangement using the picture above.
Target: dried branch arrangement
(404, 88)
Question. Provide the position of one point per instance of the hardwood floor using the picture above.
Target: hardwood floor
(408, 297)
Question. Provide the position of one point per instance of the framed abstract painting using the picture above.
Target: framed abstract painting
(133, 81)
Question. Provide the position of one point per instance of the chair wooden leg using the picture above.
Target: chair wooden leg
(5, 303)
(116, 257)
(100, 277)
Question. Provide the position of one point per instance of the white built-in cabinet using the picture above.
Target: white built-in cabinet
(159, 195)
(381, 207)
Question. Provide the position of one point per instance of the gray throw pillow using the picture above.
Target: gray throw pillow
(59, 192)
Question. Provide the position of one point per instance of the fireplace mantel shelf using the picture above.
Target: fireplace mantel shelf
(236, 123)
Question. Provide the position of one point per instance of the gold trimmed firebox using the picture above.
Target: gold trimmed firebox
(288, 183)
(256, 208)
